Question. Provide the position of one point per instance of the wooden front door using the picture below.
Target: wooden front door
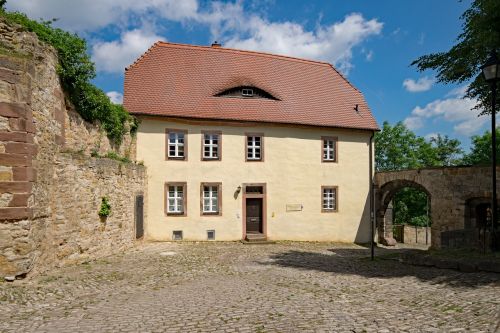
(254, 215)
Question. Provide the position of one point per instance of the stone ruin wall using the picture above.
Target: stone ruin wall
(50, 187)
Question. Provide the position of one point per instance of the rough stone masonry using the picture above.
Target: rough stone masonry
(50, 187)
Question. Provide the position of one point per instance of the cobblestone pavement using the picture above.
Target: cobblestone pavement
(231, 287)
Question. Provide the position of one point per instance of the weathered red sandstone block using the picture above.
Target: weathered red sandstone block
(15, 159)
(10, 76)
(17, 124)
(15, 213)
(24, 174)
(20, 200)
(16, 136)
(59, 114)
(21, 148)
(59, 139)
(13, 110)
(15, 187)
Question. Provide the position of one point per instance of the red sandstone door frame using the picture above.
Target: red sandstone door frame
(244, 206)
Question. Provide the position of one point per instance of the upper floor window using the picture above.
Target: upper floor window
(246, 92)
(176, 144)
(329, 150)
(254, 147)
(211, 198)
(211, 146)
(175, 198)
(329, 199)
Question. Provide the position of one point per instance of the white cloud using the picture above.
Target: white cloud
(115, 97)
(333, 43)
(114, 56)
(90, 15)
(455, 109)
(227, 21)
(423, 84)
(369, 55)
(414, 123)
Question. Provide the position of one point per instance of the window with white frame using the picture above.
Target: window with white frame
(210, 198)
(254, 147)
(177, 146)
(247, 92)
(329, 149)
(176, 198)
(329, 199)
(211, 146)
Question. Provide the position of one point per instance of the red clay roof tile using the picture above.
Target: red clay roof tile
(180, 80)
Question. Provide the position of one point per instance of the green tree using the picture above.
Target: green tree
(462, 63)
(480, 153)
(448, 151)
(398, 148)
(2, 4)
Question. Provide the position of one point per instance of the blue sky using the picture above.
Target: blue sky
(371, 42)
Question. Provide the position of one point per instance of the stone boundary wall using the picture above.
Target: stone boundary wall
(50, 187)
(412, 234)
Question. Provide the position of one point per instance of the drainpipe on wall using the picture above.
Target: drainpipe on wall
(372, 206)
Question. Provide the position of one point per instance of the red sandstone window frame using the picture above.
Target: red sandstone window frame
(335, 189)
(184, 198)
(167, 145)
(219, 146)
(335, 140)
(261, 147)
(219, 199)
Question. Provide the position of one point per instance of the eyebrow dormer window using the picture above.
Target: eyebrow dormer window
(247, 92)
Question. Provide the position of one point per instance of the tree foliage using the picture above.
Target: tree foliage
(480, 153)
(76, 70)
(448, 151)
(462, 63)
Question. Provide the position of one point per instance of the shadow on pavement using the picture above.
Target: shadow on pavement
(357, 262)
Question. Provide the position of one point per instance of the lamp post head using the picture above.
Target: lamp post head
(491, 69)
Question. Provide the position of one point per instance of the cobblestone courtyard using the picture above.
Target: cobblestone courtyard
(231, 287)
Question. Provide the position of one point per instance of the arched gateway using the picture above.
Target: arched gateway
(458, 197)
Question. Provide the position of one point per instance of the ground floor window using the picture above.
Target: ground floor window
(329, 198)
(211, 198)
(175, 198)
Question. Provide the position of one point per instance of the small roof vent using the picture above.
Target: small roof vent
(216, 44)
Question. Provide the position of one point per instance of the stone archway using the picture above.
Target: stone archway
(449, 189)
(384, 213)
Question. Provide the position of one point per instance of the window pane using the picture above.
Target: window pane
(206, 204)
(249, 140)
(171, 137)
(171, 150)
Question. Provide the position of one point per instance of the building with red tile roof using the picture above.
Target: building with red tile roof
(250, 145)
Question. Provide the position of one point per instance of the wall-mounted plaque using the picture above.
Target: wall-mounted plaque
(294, 207)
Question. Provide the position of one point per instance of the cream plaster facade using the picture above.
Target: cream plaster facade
(292, 171)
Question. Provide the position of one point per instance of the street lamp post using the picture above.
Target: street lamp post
(491, 74)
